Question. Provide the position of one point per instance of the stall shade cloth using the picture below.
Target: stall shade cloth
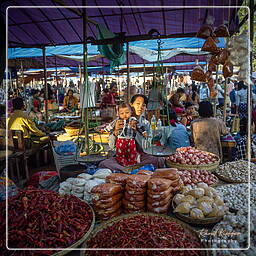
(114, 52)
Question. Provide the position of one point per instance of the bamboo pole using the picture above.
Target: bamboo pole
(128, 71)
(144, 77)
(225, 102)
(85, 53)
(45, 86)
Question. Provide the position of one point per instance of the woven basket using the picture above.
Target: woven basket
(72, 131)
(227, 179)
(207, 167)
(79, 242)
(201, 222)
(126, 216)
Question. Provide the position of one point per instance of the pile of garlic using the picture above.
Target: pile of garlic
(237, 171)
(236, 226)
(236, 196)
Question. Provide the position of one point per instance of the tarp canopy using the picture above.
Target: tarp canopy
(168, 44)
(32, 26)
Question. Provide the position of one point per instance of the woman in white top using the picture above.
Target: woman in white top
(241, 100)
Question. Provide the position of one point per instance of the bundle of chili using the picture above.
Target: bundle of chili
(44, 219)
(144, 232)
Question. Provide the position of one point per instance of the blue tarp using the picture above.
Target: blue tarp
(169, 43)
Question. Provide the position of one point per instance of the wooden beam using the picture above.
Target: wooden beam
(45, 86)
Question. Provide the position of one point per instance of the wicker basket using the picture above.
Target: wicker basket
(126, 216)
(201, 222)
(229, 180)
(72, 131)
(79, 242)
(207, 167)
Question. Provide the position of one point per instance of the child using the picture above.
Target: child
(126, 153)
(187, 118)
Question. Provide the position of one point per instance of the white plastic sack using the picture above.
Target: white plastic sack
(102, 173)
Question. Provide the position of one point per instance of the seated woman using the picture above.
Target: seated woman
(207, 130)
(175, 101)
(175, 135)
(187, 118)
(35, 106)
(139, 103)
(70, 102)
(19, 120)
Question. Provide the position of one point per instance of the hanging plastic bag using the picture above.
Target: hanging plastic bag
(221, 31)
(211, 66)
(209, 46)
(223, 56)
(227, 69)
(235, 125)
(208, 75)
(198, 74)
(205, 31)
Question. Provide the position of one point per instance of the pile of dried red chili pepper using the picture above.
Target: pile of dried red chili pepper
(44, 219)
(142, 231)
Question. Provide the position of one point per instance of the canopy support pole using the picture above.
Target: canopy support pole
(225, 102)
(85, 84)
(144, 77)
(128, 71)
(45, 86)
(215, 99)
(249, 90)
(56, 71)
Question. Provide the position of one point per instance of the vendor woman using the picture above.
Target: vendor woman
(70, 102)
(206, 130)
(139, 103)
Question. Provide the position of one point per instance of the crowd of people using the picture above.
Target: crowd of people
(187, 116)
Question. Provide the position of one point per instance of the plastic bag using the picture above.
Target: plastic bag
(145, 172)
(109, 200)
(178, 198)
(183, 208)
(108, 216)
(65, 147)
(159, 209)
(156, 195)
(198, 74)
(223, 56)
(109, 210)
(227, 69)
(107, 189)
(205, 207)
(205, 199)
(135, 190)
(196, 213)
(188, 198)
(78, 182)
(202, 185)
(85, 176)
(166, 173)
(132, 198)
(221, 31)
(210, 46)
(155, 202)
(159, 184)
(205, 31)
(102, 173)
(208, 75)
(66, 186)
(77, 189)
(147, 167)
(117, 178)
(211, 66)
(137, 180)
(133, 204)
(196, 192)
(214, 59)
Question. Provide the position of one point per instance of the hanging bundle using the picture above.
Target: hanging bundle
(211, 66)
(227, 69)
(206, 30)
(223, 56)
(221, 31)
(208, 75)
(214, 59)
(210, 46)
(198, 74)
